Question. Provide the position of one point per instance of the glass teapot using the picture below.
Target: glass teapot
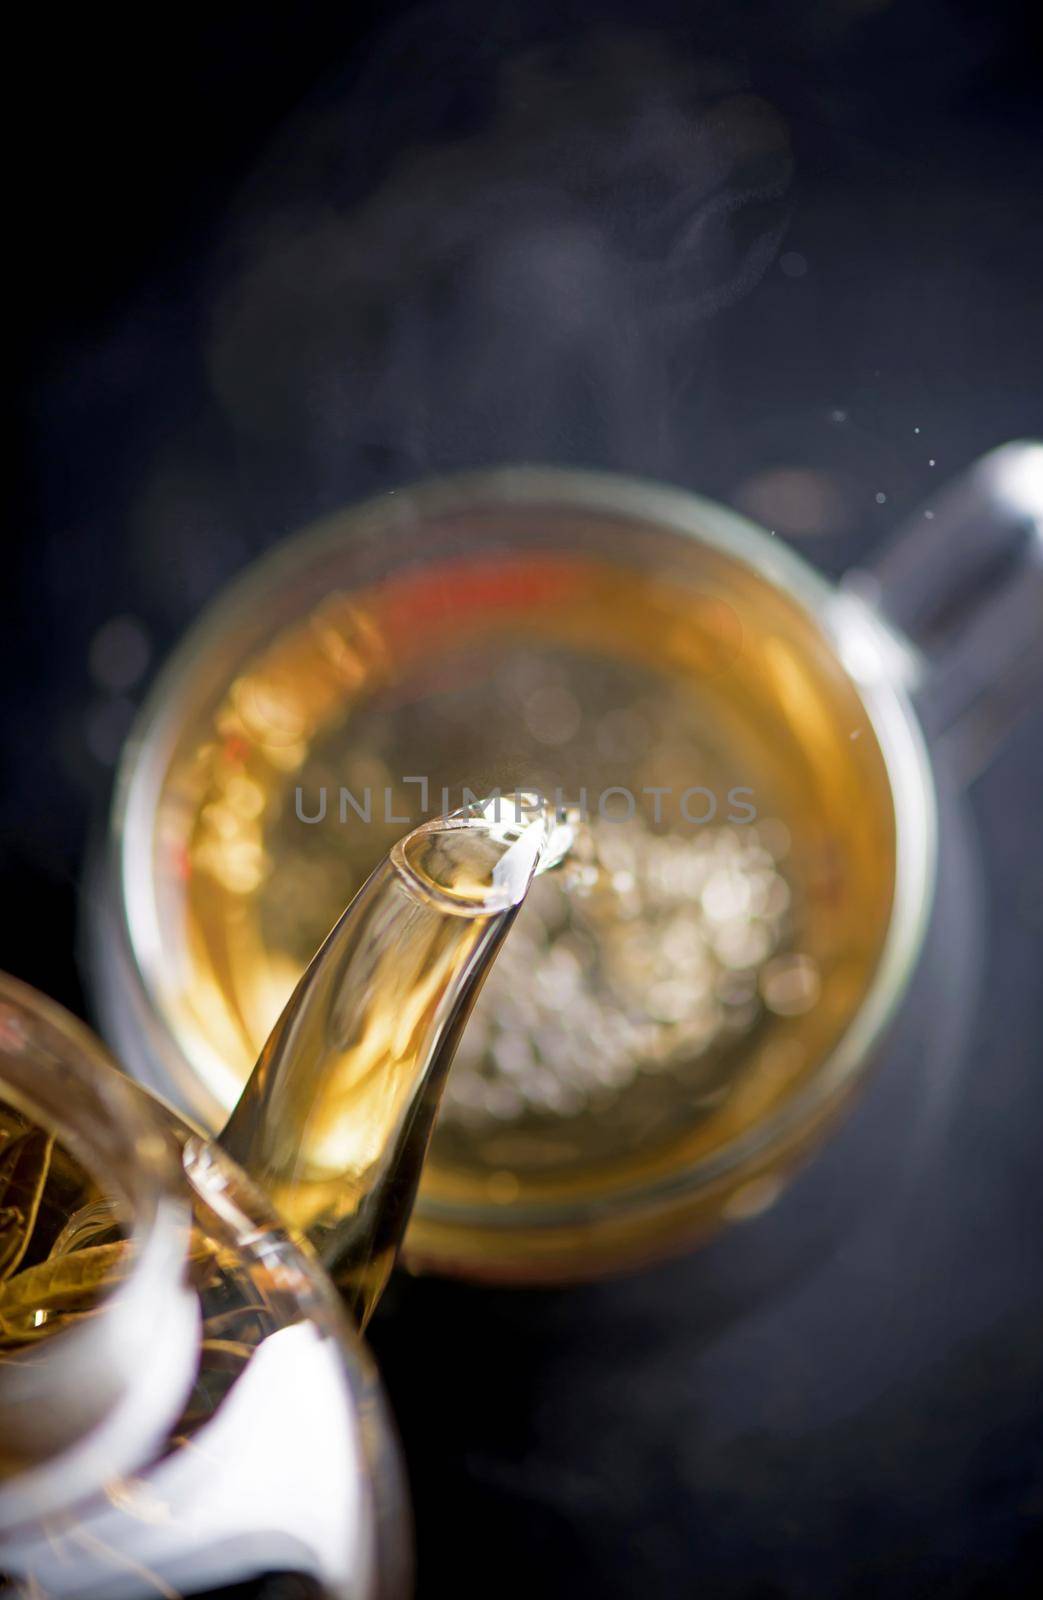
(183, 1400)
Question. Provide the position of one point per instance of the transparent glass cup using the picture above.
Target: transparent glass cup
(411, 629)
(117, 1478)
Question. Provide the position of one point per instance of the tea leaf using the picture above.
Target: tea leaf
(222, 1354)
(25, 1162)
(14, 1340)
(63, 1282)
(87, 1225)
(218, 1325)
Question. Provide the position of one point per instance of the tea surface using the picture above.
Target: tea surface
(649, 1005)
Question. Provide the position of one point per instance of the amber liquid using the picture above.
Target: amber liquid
(65, 1247)
(706, 966)
(269, 1328)
(41, 1188)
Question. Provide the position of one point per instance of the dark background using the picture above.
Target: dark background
(264, 264)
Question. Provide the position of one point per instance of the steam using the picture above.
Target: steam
(536, 284)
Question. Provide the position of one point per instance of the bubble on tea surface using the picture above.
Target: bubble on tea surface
(639, 958)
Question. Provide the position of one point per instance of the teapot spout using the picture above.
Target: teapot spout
(336, 1118)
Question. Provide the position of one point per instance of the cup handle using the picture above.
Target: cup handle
(961, 586)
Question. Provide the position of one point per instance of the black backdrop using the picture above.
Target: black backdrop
(864, 305)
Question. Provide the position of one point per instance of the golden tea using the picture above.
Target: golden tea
(665, 995)
(59, 1243)
(165, 1348)
(62, 1249)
